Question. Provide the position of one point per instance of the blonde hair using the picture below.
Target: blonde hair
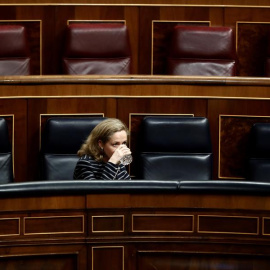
(102, 132)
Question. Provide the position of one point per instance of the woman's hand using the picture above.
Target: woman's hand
(120, 152)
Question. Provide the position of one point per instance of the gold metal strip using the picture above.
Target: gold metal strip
(135, 5)
(37, 254)
(109, 216)
(217, 216)
(97, 21)
(137, 97)
(161, 215)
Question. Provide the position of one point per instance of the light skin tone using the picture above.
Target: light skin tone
(115, 148)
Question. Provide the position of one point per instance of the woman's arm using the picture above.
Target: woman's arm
(88, 169)
(84, 170)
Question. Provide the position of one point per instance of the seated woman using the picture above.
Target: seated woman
(101, 154)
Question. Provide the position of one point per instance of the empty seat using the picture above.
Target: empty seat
(60, 141)
(6, 162)
(97, 48)
(14, 52)
(259, 149)
(202, 51)
(175, 148)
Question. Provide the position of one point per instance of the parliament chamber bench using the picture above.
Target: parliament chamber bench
(231, 105)
(135, 225)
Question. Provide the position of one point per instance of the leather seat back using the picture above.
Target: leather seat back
(175, 148)
(60, 141)
(14, 51)
(259, 161)
(6, 161)
(202, 51)
(97, 48)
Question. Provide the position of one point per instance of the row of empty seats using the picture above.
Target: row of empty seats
(104, 48)
(171, 148)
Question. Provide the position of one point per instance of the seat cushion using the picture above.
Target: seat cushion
(97, 48)
(58, 167)
(162, 166)
(259, 169)
(14, 56)
(119, 66)
(188, 67)
(202, 51)
(10, 67)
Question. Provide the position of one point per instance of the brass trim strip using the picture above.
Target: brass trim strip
(108, 216)
(161, 215)
(98, 21)
(135, 5)
(38, 254)
(138, 97)
(51, 217)
(218, 216)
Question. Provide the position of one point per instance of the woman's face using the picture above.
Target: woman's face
(118, 138)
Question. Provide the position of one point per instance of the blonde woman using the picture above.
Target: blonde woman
(102, 151)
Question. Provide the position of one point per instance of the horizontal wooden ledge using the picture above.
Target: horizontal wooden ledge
(140, 3)
(133, 79)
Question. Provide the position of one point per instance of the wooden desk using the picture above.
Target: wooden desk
(169, 230)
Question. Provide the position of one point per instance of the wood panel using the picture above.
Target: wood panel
(179, 260)
(115, 255)
(47, 22)
(130, 99)
(17, 109)
(145, 2)
(169, 230)
(234, 144)
(39, 108)
(72, 257)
